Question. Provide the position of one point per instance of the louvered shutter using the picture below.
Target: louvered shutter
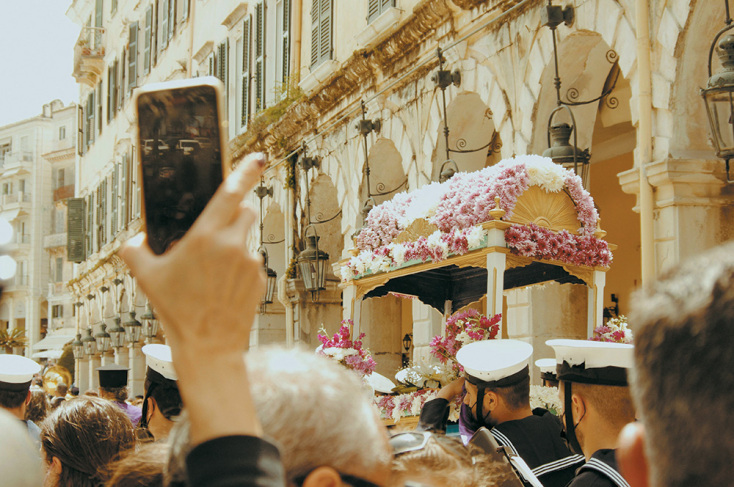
(164, 24)
(121, 84)
(114, 223)
(325, 30)
(222, 64)
(100, 98)
(246, 46)
(132, 57)
(98, 14)
(212, 64)
(75, 230)
(315, 32)
(110, 93)
(185, 9)
(373, 10)
(154, 34)
(386, 4)
(260, 56)
(171, 18)
(80, 130)
(89, 228)
(286, 41)
(147, 39)
(124, 217)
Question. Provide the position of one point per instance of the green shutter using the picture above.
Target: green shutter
(325, 28)
(75, 230)
(124, 217)
(98, 13)
(171, 18)
(89, 227)
(147, 38)
(80, 130)
(260, 56)
(100, 97)
(373, 10)
(114, 224)
(110, 91)
(246, 46)
(132, 59)
(286, 41)
(164, 24)
(315, 32)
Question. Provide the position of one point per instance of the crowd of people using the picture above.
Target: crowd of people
(653, 414)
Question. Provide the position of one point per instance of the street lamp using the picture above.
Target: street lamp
(150, 323)
(312, 263)
(103, 340)
(562, 152)
(89, 344)
(719, 94)
(272, 278)
(78, 347)
(133, 329)
(117, 333)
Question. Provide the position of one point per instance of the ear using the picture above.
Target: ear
(631, 456)
(28, 397)
(578, 406)
(323, 477)
(491, 401)
(56, 466)
(151, 405)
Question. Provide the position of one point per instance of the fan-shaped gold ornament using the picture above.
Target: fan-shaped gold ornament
(555, 211)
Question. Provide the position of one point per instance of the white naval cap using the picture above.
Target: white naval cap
(158, 359)
(603, 363)
(494, 360)
(16, 372)
(546, 365)
(380, 383)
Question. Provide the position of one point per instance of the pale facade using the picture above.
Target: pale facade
(384, 53)
(32, 152)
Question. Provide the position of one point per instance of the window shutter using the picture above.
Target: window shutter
(75, 230)
(147, 39)
(89, 126)
(121, 83)
(164, 25)
(286, 41)
(124, 217)
(171, 18)
(89, 227)
(185, 9)
(212, 64)
(386, 4)
(373, 10)
(315, 8)
(110, 91)
(80, 130)
(325, 27)
(155, 19)
(132, 57)
(98, 13)
(246, 46)
(222, 64)
(260, 56)
(136, 186)
(100, 97)
(114, 224)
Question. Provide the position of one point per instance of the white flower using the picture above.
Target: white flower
(464, 338)
(546, 398)
(475, 236)
(543, 172)
(397, 251)
(339, 354)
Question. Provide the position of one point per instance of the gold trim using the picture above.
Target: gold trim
(555, 211)
(419, 228)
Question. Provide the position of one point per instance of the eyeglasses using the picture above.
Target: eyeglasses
(411, 441)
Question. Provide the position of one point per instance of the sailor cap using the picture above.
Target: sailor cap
(159, 362)
(16, 372)
(589, 362)
(500, 362)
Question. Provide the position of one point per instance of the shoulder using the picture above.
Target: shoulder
(590, 478)
(603, 465)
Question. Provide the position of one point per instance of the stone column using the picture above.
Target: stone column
(122, 357)
(136, 376)
(82, 375)
(595, 302)
(94, 363)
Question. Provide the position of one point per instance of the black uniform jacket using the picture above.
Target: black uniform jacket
(536, 439)
(599, 471)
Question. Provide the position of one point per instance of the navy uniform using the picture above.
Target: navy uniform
(16, 375)
(536, 438)
(597, 363)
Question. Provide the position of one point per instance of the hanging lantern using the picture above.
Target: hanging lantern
(448, 169)
(272, 279)
(312, 263)
(117, 334)
(89, 344)
(560, 149)
(719, 98)
(150, 323)
(103, 339)
(133, 329)
(77, 347)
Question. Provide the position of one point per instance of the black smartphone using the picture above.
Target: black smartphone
(181, 153)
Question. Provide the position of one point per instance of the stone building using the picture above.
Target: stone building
(37, 159)
(300, 74)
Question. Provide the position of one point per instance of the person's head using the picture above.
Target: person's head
(430, 459)
(80, 438)
(113, 382)
(140, 468)
(318, 413)
(683, 383)
(37, 408)
(594, 391)
(162, 402)
(16, 375)
(497, 380)
(20, 465)
(61, 389)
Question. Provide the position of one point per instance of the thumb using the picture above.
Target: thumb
(137, 254)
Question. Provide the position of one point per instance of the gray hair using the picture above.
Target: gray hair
(317, 412)
(683, 383)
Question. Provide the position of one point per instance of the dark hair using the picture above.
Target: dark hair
(118, 393)
(85, 434)
(12, 399)
(140, 468)
(516, 396)
(167, 399)
(38, 407)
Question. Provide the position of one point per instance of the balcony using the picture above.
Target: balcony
(89, 56)
(55, 240)
(64, 192)
(19, 160)
(57, 289)
(16, 201)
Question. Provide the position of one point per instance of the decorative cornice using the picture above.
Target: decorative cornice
(495, 4)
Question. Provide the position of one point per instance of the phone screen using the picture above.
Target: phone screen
(181, 159)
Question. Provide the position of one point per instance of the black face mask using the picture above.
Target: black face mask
(569, 429)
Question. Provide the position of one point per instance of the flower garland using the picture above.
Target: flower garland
(436, 247)
(345, 351)
(465, 199)
(462, 328)
(410, 404)
(615, 330)
(546, 398)
(542, 243)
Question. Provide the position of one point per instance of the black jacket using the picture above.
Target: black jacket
(600, 471)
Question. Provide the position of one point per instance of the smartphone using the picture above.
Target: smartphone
(182, 155)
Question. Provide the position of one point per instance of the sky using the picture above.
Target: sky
(36, 57)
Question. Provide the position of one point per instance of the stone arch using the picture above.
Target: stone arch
(273, 237)
(386, 171)
(326, 219)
